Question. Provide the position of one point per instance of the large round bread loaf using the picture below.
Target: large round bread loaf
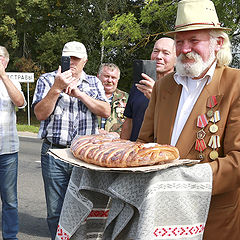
(108, 150)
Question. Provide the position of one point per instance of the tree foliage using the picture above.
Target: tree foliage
(119, 30)
(34, 31)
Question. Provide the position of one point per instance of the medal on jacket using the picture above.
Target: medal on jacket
(215, 118)
(211, 103)
(202, 121)
(214, 143)
(200, 144)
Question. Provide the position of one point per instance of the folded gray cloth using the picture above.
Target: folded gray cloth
(167, 204)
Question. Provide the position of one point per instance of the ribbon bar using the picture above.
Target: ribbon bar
(214, 142)
(211, 102)
(202, 121)
(200, 145)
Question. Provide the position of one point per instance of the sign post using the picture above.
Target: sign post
(23, 77)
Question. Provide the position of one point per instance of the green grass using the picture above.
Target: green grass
(27, 128)
(22, 122)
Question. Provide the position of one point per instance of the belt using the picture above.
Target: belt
(55, 145)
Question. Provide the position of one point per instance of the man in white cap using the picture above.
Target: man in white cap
(67, 104)
(197, 110)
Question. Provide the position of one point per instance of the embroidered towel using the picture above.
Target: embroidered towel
(169, 204)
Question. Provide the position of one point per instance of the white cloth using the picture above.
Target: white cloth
(191, 90)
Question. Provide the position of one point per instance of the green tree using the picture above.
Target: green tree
(34, 31)
(153, 19)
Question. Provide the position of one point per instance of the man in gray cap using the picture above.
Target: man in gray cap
(67, 104)
(197, 110)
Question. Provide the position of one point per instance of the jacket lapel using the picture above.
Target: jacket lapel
(167, 112)
(188, 136)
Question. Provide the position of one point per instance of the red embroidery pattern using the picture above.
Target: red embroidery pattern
(98, 214)
(178, 231)
(61, 234)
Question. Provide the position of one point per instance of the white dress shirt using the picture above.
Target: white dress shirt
(190, 92)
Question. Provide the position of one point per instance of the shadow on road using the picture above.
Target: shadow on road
(33, 226)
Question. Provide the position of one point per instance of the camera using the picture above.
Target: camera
(144, 66)
(65, 63)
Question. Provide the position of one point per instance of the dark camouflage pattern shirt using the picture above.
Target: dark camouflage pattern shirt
(114, 122)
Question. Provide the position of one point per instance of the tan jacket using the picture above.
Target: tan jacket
(224, 215)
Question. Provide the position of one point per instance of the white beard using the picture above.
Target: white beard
(198, 67)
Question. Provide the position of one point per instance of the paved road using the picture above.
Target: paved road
(32, 206)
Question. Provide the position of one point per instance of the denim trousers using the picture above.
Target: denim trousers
(56, 175)
(8, 191)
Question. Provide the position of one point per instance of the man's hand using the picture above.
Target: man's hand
(16, 96)
(67, 83)
(72, 89)
(2, 70)
(63, 80)
(146, 85)
(45, 107)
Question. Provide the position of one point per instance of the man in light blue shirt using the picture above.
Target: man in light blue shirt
(11, 96)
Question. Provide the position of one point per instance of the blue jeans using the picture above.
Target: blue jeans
(56, 175)
(8, 191)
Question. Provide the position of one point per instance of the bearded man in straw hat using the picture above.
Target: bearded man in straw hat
(198, 110)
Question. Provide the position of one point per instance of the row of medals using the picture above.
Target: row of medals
(202, 122)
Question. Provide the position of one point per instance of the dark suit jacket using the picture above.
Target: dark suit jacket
(224, 214)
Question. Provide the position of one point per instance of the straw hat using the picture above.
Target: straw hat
(196, 15)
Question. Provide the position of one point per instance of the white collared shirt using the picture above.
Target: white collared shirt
(190, 92)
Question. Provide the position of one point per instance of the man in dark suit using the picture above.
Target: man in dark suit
(164, 54)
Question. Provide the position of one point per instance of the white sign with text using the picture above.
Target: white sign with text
(21, 76)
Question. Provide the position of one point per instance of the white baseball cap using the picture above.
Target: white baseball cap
(74, 49)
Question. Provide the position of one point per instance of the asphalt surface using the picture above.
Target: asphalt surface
(31, 197)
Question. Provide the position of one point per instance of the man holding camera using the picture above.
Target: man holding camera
(67, 104)
(164, 54)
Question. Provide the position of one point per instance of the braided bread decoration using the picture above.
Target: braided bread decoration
(108, 150)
